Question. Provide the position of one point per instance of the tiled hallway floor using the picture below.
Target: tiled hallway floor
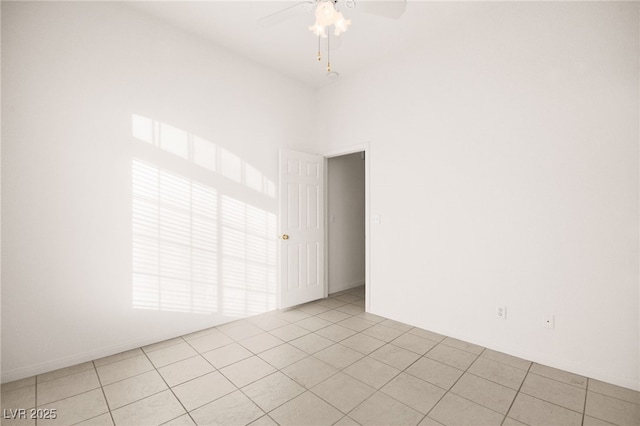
(324, 363)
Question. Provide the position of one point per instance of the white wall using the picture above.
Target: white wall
(504, 165)
(99, 99)
(0, 202)
(346, 209)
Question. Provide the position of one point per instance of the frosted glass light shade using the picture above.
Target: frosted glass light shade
(318, 30)
(341, 24)
(326, 14)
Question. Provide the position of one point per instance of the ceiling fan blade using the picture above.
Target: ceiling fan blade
(285, 14)
(393, 9)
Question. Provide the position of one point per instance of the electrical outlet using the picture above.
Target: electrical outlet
(501, 312)
(549, 321)
(376, 219)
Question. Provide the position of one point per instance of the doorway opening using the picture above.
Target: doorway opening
(346, 202)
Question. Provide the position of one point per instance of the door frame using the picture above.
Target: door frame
(366, 148)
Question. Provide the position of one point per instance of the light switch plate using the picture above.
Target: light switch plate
(501, 312)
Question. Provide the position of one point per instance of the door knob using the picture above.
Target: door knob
(285, 237)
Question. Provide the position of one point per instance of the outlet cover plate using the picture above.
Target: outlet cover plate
(549, 321)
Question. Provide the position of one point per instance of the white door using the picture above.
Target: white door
(301, 228)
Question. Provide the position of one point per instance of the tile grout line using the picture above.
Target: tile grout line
(525, 370)
(544, 400)
(126, 378)
(380, 391)
(35, 398)
(447, 391)
(556, 380)
(68, 396)
(584, 406)
(332, 375)
(128, 403)
(278, 370)
(408, 332)
(165, 347)
(403, 403)
(518, 392)
(615, 397)
(549, 402)
(169, 388)
(215, 370)
(104, 395)
(113, 362)
(64, 375)
(424, 356)
(395, 376)
(309, 356)
(403, 370)
(339, 410)
(271, 374)
(264, 413)
(460, 349)
(239, 388)
(497, 383)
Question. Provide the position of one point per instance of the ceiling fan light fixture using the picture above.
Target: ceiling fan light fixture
(318, 30)
(327, 15)
(341, 25)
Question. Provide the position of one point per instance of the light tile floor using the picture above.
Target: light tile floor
(323, 363)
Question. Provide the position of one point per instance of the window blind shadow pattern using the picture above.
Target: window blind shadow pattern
(196, 250)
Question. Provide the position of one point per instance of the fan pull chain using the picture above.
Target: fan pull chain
(319, 54)
(329, 52)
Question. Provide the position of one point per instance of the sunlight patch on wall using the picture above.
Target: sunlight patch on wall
(249, 258)
(196, 250)
(174, 242)
(201, 152)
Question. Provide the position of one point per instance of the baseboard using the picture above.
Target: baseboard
(539, 358)
(56, 364)
(345, 286)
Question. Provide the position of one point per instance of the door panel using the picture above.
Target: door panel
(302, 220)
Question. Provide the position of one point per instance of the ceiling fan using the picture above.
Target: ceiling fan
(327, 15)
(388, 9)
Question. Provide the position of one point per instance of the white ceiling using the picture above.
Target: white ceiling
(288, 47)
